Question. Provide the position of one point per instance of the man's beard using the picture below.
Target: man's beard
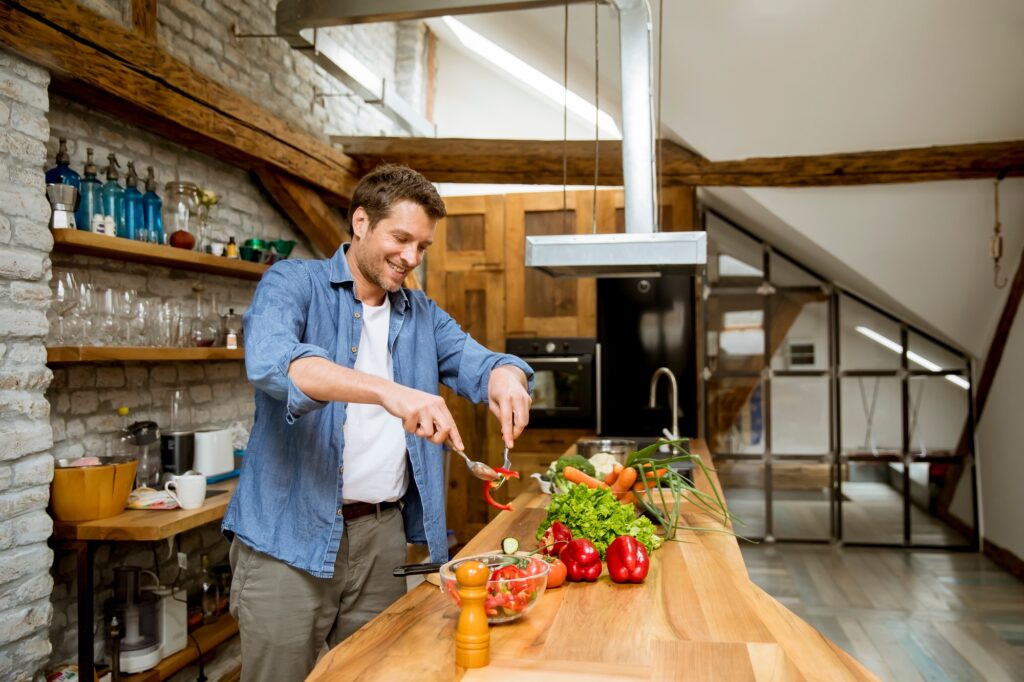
(376, 275)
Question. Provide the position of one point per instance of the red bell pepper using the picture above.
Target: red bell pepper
(582, 560)
(627, 560)
(489, 485)
(555, 539)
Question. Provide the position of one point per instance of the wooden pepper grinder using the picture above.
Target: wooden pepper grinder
(472, 635)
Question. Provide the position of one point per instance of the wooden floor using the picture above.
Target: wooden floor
(872, 513)
(906, 615)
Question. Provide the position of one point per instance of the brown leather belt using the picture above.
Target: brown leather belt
(354, 510)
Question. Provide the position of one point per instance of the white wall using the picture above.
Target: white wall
(474, 100)
(1001, 453)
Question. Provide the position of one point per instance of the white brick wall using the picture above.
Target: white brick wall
(25, 434)
(74, 414)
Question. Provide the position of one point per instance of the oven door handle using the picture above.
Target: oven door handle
(552, 360)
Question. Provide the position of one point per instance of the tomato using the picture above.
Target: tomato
(556, 573)
(508, 573)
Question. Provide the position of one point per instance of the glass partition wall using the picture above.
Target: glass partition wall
(830, 419)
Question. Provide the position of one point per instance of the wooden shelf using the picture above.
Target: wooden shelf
(208, 638)
(102, 246)
(140, 525)
(59, 355)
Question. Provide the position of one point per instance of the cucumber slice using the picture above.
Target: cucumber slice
(510, 545)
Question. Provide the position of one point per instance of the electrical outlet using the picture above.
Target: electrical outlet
(183, 561)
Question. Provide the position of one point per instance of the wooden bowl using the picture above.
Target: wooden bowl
(91, 492)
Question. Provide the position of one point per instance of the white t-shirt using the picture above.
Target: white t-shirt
(374, 456)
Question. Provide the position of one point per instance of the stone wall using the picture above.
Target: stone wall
(26, 467)
(75, 414)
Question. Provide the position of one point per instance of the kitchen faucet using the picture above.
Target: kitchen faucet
(674, 387)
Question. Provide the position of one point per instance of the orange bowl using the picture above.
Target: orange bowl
(91, 492)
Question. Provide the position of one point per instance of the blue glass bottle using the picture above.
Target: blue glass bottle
(62, 174)
(113, 197)
(90, 200)
(134, 218)
(152, 207)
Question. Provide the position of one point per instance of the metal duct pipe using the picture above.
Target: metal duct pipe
(638, 167)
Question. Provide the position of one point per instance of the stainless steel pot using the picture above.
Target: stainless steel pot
(619, 447)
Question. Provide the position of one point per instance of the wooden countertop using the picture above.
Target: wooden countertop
(136, 524)
(696, 617)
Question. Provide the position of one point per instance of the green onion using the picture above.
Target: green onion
(666, 511)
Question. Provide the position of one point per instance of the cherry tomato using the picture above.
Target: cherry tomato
(556, 573)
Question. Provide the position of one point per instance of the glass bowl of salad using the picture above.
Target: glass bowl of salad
(516, 584)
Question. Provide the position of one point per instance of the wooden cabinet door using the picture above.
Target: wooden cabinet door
(470, 239)
(465, 276)
(537, 304)
(678, 209)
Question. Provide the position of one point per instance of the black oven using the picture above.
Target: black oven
(563, 393)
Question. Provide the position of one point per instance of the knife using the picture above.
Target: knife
(415, 569)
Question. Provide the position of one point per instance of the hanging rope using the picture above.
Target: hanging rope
(996, 244)
(597, 128)
(565, 118)
(658, 164)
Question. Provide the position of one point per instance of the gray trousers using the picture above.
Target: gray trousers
(285, 615)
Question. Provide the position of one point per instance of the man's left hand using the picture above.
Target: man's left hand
(509, 401)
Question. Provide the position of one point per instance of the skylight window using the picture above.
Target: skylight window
(530, 76)
(911, 355)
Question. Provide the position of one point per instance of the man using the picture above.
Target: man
(344, 464)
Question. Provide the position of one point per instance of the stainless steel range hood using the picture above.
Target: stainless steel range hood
(618, 255)
(642, 250)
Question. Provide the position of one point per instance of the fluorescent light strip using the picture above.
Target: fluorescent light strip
(519, 69)
(912, 356)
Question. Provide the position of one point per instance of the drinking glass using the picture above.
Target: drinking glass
(81, 317)
(65, 299)
(178, 409)
(124, 302)
(106, 326)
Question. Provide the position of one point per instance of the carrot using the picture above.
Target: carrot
(626, 480)
(574, 475)
(628, 498)
(651, 480)
(613, 475)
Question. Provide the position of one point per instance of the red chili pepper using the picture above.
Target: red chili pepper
(488, 485)
(627, 560)
(582, 561)
(555, 539)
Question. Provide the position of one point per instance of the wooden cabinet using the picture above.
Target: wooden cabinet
(465, 276)
(538, 304)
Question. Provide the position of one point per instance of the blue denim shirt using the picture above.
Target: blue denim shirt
(288, 499)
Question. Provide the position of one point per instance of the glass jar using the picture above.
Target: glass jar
(180, 211)
(231, 329)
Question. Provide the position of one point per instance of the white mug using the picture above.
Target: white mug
(189, 490)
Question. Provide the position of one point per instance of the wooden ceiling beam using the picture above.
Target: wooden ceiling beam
(144, 18)
(321, 223)
(540, 162)
(111, 68)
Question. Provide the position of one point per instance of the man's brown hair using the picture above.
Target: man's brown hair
(386, 185)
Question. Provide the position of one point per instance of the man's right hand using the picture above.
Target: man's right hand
(423, 414)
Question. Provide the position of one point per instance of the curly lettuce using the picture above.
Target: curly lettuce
(595, 514)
